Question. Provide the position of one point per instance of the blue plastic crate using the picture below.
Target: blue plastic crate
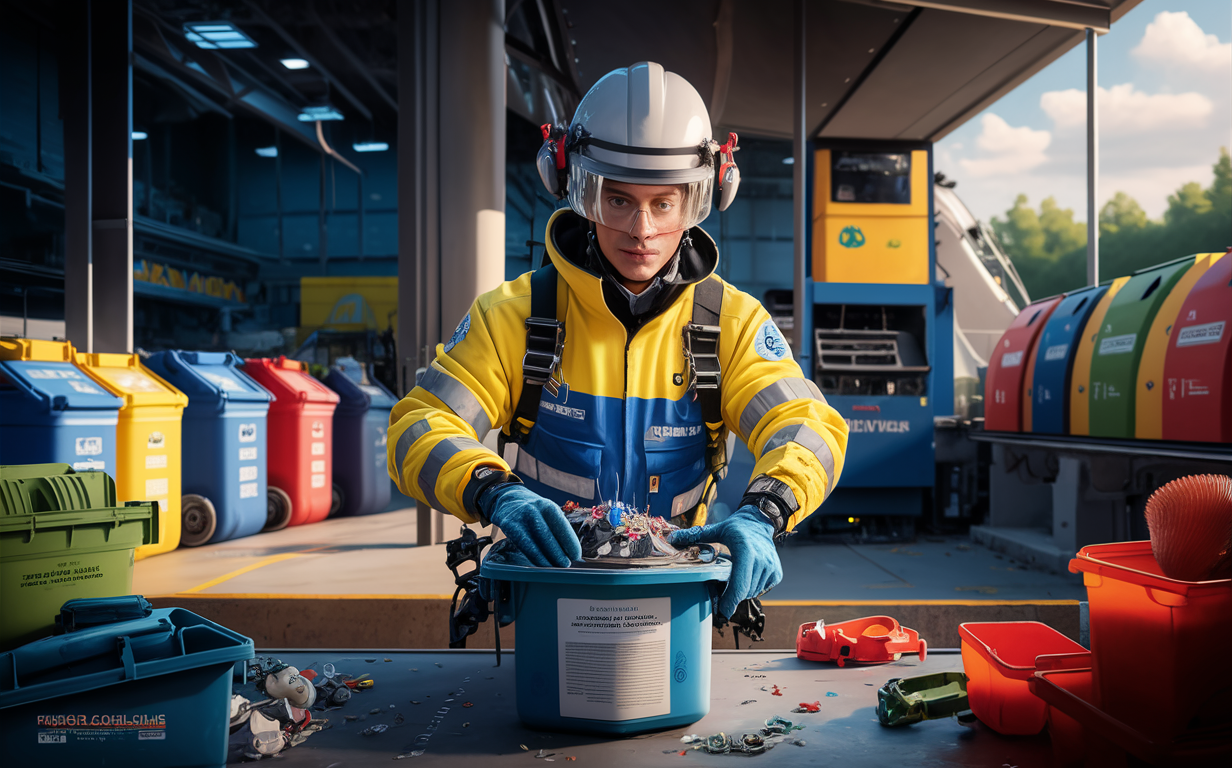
(127, 685)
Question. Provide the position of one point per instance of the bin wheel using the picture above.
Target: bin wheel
(335, 504)
(277, 509)
(197, 520)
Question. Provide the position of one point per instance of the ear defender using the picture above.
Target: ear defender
(551, 160)
(729, 172)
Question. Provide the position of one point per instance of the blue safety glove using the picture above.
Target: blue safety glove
(533, 524)
(749, 535)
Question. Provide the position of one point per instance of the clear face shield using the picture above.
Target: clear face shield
(642, 209)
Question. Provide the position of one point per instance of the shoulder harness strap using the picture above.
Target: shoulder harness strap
(701, 350)
(545, 341)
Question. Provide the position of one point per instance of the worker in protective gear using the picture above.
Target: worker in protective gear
(619, 393)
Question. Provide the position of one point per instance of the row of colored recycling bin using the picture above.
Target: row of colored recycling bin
(263, 445)
(1144, 356)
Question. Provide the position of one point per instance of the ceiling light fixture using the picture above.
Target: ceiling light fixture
(267, 151)
(140, 135)
(370, 146)
(317, 114)
(294, 63)
(213, 35)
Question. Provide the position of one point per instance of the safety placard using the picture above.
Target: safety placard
(614, 658)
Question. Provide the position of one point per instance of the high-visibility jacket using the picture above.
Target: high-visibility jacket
(624, 425)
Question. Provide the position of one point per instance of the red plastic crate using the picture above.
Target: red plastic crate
(999, 658)
(1148, 629)
(301, 426)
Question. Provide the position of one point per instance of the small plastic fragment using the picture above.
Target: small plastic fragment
(831, 695)
(414, 702)
(571, 758)
(437, 663)
(524, 747)
(388, 659)
(399, 719)
(776, 691)
(372, 730)
(747, 701)
(806, 707)
(542, 753)
(349, 717)
(375, 711)
(466, 725)
(467, 704)
(414, 669)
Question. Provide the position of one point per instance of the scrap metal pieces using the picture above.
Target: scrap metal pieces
(617, 534)
(748, 620)
(869, 640)
(902, 701)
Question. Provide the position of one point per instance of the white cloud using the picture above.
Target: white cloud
(1175, 40)
(1124, 110)
(1006, 149)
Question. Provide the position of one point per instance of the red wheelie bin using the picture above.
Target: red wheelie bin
(301, 420)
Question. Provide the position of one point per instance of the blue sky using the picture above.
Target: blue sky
(1165, 76)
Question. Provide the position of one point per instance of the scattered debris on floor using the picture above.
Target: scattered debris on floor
(806, 707)
(776, 691)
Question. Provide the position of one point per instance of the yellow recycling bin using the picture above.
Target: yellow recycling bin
(147, 439)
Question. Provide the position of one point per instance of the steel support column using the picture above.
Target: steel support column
(75, 88)
(1092, 160)
(799, 184)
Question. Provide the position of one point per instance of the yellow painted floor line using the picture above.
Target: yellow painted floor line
(242, 571)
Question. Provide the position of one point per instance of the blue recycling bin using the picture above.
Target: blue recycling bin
(361, 424)
(1054, 361)
(51, 412)
(224, 436)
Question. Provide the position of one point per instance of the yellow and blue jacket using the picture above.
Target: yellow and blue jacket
(624, 425)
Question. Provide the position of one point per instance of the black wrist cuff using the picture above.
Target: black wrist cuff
(484, 479)
(775, 500)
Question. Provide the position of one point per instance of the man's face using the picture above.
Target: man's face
(643, 229)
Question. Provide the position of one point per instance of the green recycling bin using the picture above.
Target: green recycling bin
(1118, 348)
(63, 537)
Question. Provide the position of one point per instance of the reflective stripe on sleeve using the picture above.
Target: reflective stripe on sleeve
(804, 436)
(459, 398)
(775, 394)
(580, 487)
(407, 439)
(442, 452)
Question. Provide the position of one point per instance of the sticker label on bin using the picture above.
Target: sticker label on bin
(66, 573)
(52, 373)
(613, 658)
(248, 454)
(248, 433)
(248, 490)
(155, 441)
(98, 728)
(318, 449)
(318, 465)
(318, 430)
(156, 487)
(248, 473)
(158, 461)
(318, 481)
(92, 465)
(1011, 359)
(1056, 352)
(1118, 345)
(86, 388)
(1210, 333)
(89, 446)
(225, 383)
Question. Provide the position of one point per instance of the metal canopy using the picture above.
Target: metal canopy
(912, 70)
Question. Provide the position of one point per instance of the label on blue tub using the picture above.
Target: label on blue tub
(614, 658)
(100, 729)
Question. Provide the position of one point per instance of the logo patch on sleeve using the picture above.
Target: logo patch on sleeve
(459, 334)
(770, 344)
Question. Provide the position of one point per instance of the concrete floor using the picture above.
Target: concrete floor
(377, 555)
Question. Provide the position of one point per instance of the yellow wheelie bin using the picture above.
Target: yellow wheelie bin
(147, 439)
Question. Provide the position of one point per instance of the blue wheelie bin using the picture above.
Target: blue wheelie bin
(224, 432)
(1055, 361)
(361, 480)
(51, 412)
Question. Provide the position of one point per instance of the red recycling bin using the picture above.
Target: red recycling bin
(1003, 391)
(300, 436)
(1198, 365)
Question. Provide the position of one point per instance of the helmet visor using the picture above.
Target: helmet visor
(633, 208)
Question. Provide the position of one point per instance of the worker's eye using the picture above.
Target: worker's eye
(617, 202)
(664, 205)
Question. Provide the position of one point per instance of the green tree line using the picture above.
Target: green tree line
(1049, 248)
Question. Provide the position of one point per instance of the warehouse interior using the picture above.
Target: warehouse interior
(272, 214)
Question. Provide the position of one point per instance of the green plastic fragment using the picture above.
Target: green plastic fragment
(907, 700)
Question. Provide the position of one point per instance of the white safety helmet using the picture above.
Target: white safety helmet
(639, 125)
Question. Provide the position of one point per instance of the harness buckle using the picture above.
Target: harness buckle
(701, 349)
(545, 342)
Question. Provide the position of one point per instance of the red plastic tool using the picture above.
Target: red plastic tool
(870, 640)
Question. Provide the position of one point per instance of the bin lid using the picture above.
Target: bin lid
(36, 349)
(719, 570)
(124, 375)
(60, 386)
(166, 641)
(208, 376)
(359, 396)
(287, 380)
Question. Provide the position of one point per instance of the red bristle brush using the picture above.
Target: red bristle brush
(1191, 527)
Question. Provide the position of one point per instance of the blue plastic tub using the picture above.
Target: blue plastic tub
(126, 685)
(1054, 361)
(361, 424)
(52, 413)
(224, 438)
(580, 668)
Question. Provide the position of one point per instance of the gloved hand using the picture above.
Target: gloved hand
(533, 524)
(755, 563)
